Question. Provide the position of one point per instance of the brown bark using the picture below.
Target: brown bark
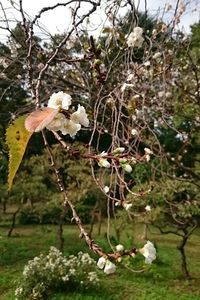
(96, 214)
(60, 229)
(4, 206)
(181, 248)
(144, 235)
(13, 221)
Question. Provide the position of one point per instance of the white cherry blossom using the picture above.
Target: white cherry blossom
(80, 116)
(157, 56)
(106, 189)
(101, 262)
(104, 153)
(147, 157)
(110, 268)
(71, 128)
(149, 252)
(127, 168)
(148, 151)
(148, 208)
(57, 123)
(118, 150)
(104, 163)
(120, 248)
(126, 85)
(134, 132)
(60, 100)
(147, 63)
(127, 206)
(135, 38)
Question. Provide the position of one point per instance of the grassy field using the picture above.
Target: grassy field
(163, 281)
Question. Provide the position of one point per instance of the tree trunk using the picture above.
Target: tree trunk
(99, 223)
(93, 214)
(144, 235)
(13, 221)
(61, 237)
(60, 228)
(4, 206)
(91, 225)
(181, 248)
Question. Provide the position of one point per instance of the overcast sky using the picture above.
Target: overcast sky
(59, 19)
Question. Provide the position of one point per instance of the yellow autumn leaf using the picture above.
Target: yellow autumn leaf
(17, 138)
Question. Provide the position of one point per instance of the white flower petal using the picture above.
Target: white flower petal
(106, 189)
(147, 157)
(71, 128)
(118, 150)
(103, 153)
(101, 262)
(157, 55)
(148, 151)
(138, 30)
(134, 132)
(149, 252)
(120, 248)
(60, 100)
(148, 208)
(103, 163)
(135, 38)
(147, 63)
(57, 123)
(110, 268)
(80, 116)
(127, 168)
(127, 206)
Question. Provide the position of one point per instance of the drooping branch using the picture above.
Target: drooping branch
(83, 233)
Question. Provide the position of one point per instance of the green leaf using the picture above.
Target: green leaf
(17, 138)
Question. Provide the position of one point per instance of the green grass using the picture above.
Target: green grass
(162, 281)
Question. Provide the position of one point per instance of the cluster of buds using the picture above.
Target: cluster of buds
(107, 265)
(121, 158)
(148, 251)
(123, 162)
(147, 154)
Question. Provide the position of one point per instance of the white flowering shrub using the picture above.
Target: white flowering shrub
(46, 273)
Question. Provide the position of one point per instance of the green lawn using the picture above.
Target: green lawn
(162, 281)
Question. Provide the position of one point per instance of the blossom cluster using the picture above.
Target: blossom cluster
(148, 152)
(71, 125)
(107, 265)
(135, 38)
(45, 273)
(148, 251)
